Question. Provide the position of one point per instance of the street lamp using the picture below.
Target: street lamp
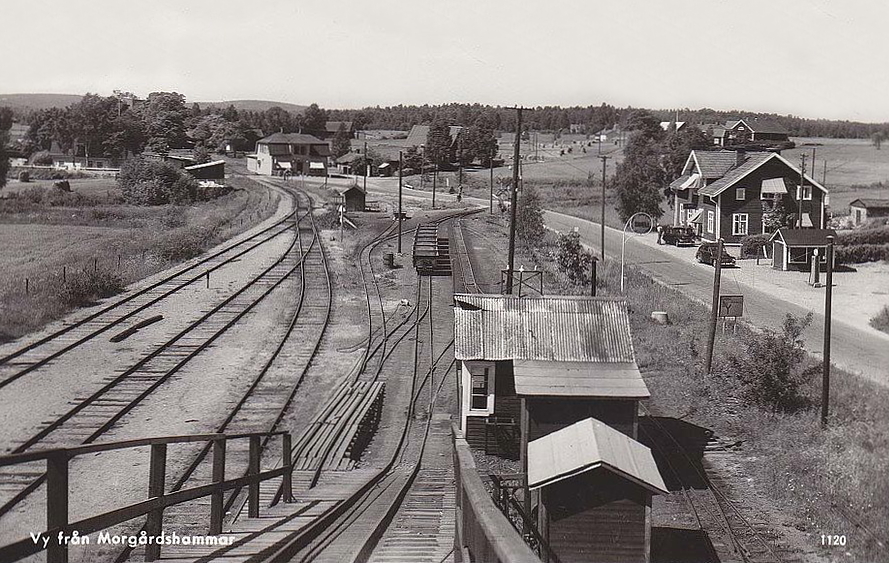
(644, 229)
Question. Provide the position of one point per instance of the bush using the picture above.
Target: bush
(879, 235)
(881, 321)
(529, 216)
(24, 176)
(751, 246)
(150, 182)
(860, 253)
(770, 366)
(88, 286)
(573, 259)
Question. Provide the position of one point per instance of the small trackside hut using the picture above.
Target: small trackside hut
(595, 487)
(566, 358)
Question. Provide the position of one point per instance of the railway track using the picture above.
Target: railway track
(265, 403)
(733, 535)
(31, 357)
(93, 416)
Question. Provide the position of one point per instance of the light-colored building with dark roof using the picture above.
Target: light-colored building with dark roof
(863, 209)
(294, 153)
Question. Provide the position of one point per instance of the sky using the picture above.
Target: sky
(810, 58)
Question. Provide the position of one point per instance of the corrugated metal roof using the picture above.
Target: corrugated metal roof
(579, 379)
(561, 328)
(590, 444)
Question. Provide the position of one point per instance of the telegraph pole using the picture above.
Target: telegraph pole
(434, 174)
(491, 166)
(802, 183)
(828, 296)
(400, 157)
(366, 165)
(714, 309)
(513, 197)
(604, 158)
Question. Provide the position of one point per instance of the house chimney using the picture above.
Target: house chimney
(740, 157)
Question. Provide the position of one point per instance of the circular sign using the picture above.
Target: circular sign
(641, 223)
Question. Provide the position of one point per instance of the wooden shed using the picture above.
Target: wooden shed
(353, 197)
(595, 488)
(565, 358)
(793, 249)
(863, 209)
(208, 171)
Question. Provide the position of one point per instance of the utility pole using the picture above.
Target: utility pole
(714, 308)
(604, 158)
(802, 183)
(400, 157)
(422, 164)
(513, 198)
(460, 158)
(823, 172)
(828, 296)
(366, 164)
(491, 166)
(434, 174)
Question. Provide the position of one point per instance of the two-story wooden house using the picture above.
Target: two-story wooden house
(294, 153)
(733, 194)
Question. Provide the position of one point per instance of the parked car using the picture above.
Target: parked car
(706, 254)
(679, 236)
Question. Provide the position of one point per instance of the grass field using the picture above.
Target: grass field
(120, 241)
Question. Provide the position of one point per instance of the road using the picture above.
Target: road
(851, 349)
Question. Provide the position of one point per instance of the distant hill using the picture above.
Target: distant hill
(254, 105)
(38, 101)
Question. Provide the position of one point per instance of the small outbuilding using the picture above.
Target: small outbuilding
(596, 486)
(793, 249)
(208, 171)
(353, 197)
(863, 209)
(547, 360)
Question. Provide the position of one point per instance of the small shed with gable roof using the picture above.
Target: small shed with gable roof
(596, 486)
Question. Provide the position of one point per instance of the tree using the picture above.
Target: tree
(314, 119)
(200, 154)
(529, 216)
(5, 124)
(438, 142)
(678, 145)
(164, 118)
(640, 178)
(340, 144)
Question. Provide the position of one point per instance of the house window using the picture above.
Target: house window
(711, 219)
(806, 193)
(739, 224)
(740, 194)
(479, 393)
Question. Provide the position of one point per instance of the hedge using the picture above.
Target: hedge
(859, 253)
(879, 235)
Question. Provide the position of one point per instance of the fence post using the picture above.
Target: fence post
(253, 470)
(64, 274)
(216, 510)
(157, 471)
(287, 461)
(27, 286)
(57, 504)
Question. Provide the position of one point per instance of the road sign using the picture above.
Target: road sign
(641, 223)
(731, 306)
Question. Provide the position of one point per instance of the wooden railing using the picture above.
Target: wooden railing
(57, 493)
(483, 533)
